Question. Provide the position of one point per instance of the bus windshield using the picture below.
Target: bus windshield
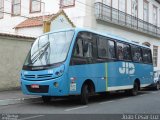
(49, 49)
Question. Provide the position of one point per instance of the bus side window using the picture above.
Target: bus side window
(146, 55)
(127, 52)
(136, 54)
(111, 51)
(78, 52)
(102, 47)
(120, 51)
(87, 49)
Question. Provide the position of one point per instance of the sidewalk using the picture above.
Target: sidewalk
(15, 97)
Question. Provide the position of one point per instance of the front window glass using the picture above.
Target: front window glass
(50, 49)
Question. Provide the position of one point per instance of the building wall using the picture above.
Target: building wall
(129, 34)
(82, 15)
(13, 51)
(7, 24)
(60, 23)
(30, 31)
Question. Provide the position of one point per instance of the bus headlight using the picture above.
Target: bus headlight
(59, 73)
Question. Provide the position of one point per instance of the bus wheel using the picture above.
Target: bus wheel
(134, 91)
(84, 94)
(157, 86)
(46, 99)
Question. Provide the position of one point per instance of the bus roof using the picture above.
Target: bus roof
(107, 34)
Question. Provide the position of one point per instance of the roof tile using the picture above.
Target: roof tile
(33, 21)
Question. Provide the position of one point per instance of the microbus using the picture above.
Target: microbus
(81, 62)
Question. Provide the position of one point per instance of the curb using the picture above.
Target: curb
(18, 101)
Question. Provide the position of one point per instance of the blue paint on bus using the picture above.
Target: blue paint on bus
(65, 80)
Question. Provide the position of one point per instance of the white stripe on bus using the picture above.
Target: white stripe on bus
(124, 87)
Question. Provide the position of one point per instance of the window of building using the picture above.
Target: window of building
(134, 8)
(147, 55)
(1, 8)
(145, 11)
(136, 54)
(123, 51)
(16, 7)
(35, 6)
(107, 2)
(122, 5)
(155, 55)
(67, 3)
(154, 15)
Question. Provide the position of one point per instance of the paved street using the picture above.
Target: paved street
(115, 103)
(147, 102)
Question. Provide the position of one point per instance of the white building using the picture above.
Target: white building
(136, 20)
(36, 26)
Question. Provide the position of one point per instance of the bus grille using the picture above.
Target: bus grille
(39, 76)
(41, 89)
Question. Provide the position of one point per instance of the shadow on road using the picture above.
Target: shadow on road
(75, 101)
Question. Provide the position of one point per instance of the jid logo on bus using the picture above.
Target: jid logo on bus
(127, 68)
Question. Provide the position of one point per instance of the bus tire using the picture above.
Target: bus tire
(157, 86)
(135, 89)
(46, 99)
(84, 94)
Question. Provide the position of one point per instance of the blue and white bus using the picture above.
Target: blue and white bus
(84, 62)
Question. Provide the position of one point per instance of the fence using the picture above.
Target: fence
(107, 13)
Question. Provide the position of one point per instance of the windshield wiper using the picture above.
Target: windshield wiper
(41, 52)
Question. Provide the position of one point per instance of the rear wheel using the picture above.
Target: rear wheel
(85, 94)
(157, 86)
(46, 99)
(134, 91)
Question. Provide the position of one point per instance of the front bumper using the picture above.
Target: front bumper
(46, 87)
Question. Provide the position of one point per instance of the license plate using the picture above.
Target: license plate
(35, 86)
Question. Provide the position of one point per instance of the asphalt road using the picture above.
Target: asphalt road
(146, 102)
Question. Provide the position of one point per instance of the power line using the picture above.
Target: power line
(85, 4)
